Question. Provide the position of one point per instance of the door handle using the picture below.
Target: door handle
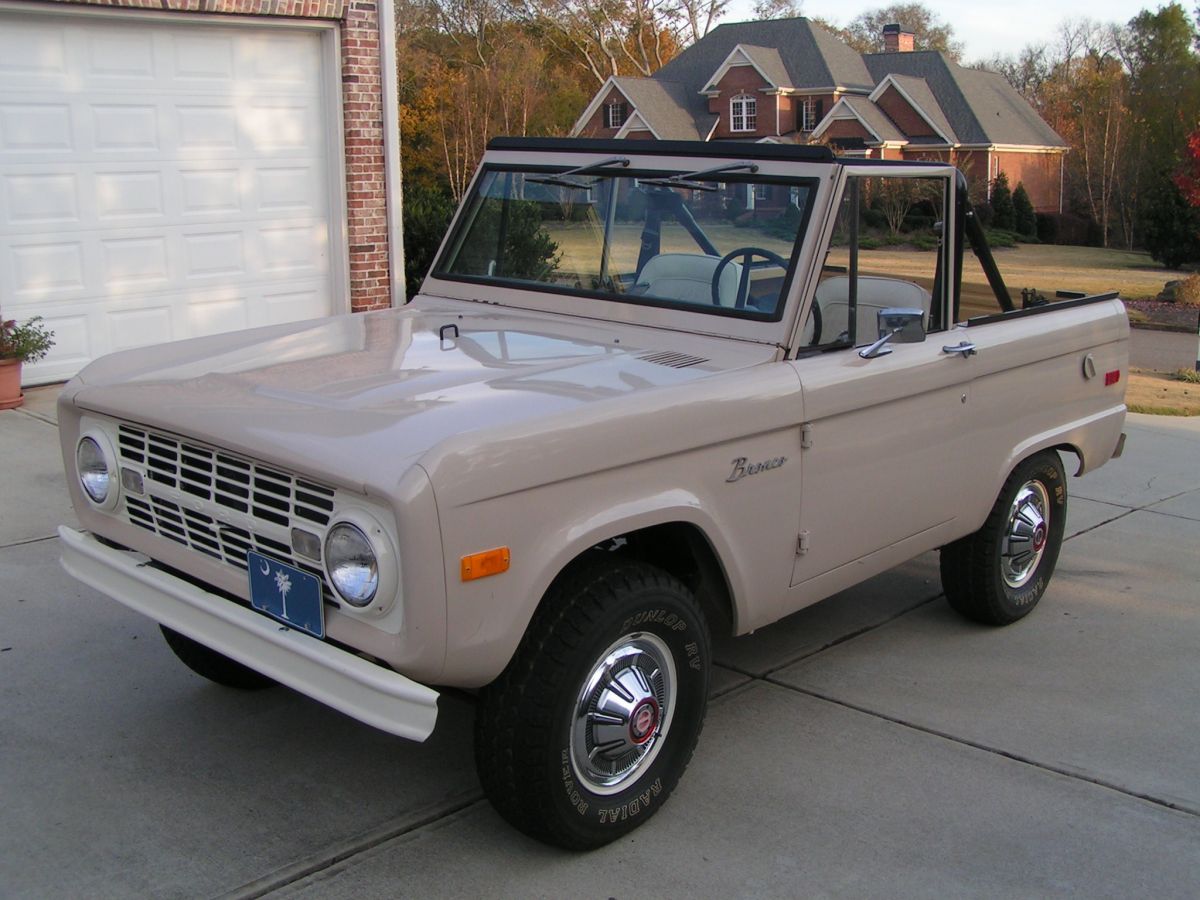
(966, 348)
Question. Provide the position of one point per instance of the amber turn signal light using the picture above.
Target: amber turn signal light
(489, 562)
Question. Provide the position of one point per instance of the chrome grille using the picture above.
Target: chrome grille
(273, 500)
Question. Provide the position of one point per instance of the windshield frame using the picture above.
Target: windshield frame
(813, 176)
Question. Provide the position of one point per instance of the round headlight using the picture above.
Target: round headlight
(94, 475)
(352, 564)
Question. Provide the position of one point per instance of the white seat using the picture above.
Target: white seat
(688, 277)
(875, 293)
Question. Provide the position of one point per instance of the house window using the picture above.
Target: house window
(808, 114)
(615, 114)
(762, 192)
(743, 113)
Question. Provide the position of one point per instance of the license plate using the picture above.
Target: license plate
(286, 593)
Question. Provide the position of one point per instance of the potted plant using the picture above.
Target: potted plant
(20, 344)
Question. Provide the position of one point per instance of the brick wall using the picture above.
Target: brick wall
(1041, 174)
(846, 128)
(745, 80)
(362, 102)
(906, 118)
(595, 127)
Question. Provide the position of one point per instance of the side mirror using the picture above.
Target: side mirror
(906, 325)
(899, 326)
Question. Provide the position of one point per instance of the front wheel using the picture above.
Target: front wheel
(998, 574)
(588, 730)
(212, 665)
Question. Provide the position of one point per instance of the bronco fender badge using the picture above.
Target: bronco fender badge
(742, 468)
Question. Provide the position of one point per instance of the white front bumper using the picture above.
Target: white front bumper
(368, 692)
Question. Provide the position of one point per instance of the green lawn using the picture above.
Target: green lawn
(1044, 267)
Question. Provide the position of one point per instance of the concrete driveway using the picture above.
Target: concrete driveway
(872, 745)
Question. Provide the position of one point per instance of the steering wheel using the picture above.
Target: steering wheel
(745, 254)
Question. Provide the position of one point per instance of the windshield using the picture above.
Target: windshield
(716, 242)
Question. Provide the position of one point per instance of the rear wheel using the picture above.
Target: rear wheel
(588, 730)
(998, 574)
(213, 665)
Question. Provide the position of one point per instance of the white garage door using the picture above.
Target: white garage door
(163, 179)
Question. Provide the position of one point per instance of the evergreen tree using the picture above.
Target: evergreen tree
(1003, 214)
(1024, 219)
(1171, 227)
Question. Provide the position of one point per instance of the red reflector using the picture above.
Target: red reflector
(1112, 377)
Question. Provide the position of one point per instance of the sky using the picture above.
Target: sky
(985, 29)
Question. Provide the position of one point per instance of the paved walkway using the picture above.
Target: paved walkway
(1163, 351)
(874, 745)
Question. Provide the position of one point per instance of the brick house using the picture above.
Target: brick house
(791, 81)
(175, 168)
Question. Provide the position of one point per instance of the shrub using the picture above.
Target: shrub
(427, 212)
(1191, 376)
(1047, 228)
(875, 218)
(28, 343)
(1170, 227)
(1003, 214)
(1024, 219)
(1187, 292)
(998, 238)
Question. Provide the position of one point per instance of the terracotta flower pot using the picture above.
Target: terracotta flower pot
(10, 384)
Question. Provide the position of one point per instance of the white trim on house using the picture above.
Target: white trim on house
(601, 96)
(729, 63)
(392, 178)
(881, 89)
(831, 117)
(749, 109)
(1013, 148)
(642, 125)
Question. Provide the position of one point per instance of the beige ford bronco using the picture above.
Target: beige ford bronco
(647, 391)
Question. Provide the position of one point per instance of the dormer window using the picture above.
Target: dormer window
(615, 114)
(809, 109)
(743, 113)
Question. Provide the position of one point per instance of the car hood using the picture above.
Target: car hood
(369, 393)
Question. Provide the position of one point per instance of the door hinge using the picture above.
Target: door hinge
(802, 543)
(806, 435)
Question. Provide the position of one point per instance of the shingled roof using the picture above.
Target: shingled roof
(968, 106)
(981, 107)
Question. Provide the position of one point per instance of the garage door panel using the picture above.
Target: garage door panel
(35, 127)
(160, 180)
(139, 327)
(32, 51)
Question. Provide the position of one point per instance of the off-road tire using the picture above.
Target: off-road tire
(985, 575)
(531, 750)
(213, 665)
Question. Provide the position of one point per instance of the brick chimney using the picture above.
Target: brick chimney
(897, 40)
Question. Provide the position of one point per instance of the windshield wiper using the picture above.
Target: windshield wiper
(694, 180)
(564, 179)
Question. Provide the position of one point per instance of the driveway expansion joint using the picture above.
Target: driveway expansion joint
(352, 847)
(1186, 809)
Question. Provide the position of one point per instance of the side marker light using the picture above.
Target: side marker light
(1112, 377)
(489, 562)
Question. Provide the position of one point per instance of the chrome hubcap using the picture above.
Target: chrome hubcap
(622, 713)
(1026, 534)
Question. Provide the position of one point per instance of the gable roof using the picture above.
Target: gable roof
(810, 55)
(871, 116)
(766, 60)
(963, 106)
(979, 106)
(918, 95)
(664, 107)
